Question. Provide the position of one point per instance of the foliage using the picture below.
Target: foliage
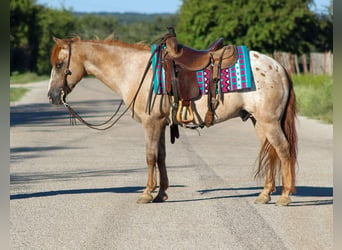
(32, 28)
(125, 18)
(284, 25)
(28, 77)
(20, 17)
(17, 93)
(314, 96)
(95, 26)
(23, 33)
(149, 31)
(324, 38)
(266, 25)
(52, 23)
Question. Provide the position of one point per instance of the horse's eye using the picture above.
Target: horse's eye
(59, 65)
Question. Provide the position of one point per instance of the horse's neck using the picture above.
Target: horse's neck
(120, 68)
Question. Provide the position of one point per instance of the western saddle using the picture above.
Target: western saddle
(180, 64)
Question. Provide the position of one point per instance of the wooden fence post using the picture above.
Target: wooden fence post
(296, 63)
(318, 63)
(305, 65)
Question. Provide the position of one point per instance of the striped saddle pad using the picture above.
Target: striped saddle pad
(236, 77)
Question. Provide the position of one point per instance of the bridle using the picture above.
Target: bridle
(66, 89)
(67, 71)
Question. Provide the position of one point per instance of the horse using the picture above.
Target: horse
(270, 105)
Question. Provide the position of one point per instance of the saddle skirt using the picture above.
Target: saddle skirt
(234, 75)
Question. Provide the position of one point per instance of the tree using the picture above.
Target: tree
(23, 34)
(324, 39)
(92, 26)
(264, 25)
(31, 29)
(59, 23)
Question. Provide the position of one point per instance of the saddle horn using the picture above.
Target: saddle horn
(171, 31)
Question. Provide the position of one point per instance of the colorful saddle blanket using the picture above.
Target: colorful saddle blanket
(236, 77)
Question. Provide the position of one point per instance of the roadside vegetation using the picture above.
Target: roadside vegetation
(27, 77)
(314, 96)
(18, 92)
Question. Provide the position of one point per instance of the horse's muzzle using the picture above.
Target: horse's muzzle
(55, 96)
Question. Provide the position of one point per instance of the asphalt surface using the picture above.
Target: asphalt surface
(76, 188)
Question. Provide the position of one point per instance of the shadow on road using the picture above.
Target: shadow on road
(117, 190)
(30, 178)
(46, 114)
(302, 191)
(23, 153)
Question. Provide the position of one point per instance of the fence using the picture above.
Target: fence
(313, 63)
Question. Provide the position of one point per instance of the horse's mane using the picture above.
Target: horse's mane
(140, 45)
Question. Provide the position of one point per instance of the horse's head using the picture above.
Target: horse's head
(67, 70)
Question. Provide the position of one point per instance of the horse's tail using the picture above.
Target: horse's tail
(268, 157)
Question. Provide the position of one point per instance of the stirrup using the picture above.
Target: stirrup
(188, 110)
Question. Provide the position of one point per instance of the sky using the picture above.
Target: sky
(140, 6)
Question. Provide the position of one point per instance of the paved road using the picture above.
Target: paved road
(75, 188)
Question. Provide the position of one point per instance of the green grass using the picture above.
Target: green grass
(21, 78)
(314, 96)
(27, 77)
(17, 93)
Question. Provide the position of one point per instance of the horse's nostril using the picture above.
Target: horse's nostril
(54, 96)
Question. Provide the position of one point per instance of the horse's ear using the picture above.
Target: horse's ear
(60, 42)
(109, 38)
(76, 39)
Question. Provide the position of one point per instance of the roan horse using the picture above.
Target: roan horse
(271, 105)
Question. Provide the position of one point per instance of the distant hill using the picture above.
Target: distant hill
(127, 17)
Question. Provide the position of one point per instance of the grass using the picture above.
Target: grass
(314, 96)
(27, 77)
(17, 93)
(21, 78)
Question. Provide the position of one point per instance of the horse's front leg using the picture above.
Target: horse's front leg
(155, 152)
(164, 181)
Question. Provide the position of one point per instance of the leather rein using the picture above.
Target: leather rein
(74, 114)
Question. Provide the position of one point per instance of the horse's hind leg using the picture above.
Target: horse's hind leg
(269, 187)
(277, 139)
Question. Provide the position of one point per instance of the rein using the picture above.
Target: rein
(94, 126)
(73, 113)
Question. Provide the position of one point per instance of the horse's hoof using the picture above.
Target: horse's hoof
(145, 198)
(262, 199)
(161, 198)
(283, 201)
